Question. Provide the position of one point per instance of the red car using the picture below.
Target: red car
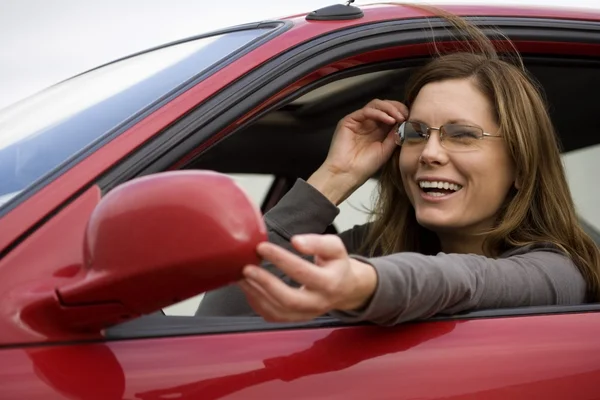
(109, 214)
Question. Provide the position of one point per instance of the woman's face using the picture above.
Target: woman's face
(482, 172)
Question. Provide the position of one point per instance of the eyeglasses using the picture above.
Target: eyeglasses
(453, 137)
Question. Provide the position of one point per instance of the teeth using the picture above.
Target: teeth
(439, 185)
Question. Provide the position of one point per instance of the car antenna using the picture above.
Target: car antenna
(337, 12)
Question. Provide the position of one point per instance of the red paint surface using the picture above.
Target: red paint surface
(50, 257)
(549, 357)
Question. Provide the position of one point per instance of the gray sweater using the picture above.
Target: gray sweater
(414, 286)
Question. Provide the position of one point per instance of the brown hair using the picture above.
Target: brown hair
(541, 211)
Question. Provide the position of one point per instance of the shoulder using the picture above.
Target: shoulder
(552, 264)
(544, 247)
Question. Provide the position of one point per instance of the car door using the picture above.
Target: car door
(545, 352)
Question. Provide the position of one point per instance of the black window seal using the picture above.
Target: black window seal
(157, 326)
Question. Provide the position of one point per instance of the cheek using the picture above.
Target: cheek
(408, 165)
(492, 174)
(407, 162)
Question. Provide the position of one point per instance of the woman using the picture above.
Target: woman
(474, 211)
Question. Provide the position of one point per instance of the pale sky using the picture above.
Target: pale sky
(45, 41)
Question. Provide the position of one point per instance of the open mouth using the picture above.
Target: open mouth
(439, 188)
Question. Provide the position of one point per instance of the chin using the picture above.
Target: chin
(436, 221)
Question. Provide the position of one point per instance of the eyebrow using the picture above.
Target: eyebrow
(463, 122)
(459, 121)
(411, 119)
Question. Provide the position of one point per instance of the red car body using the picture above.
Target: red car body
(548, 356)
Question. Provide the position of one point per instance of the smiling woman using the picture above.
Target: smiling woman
(473, 212)
(462, 155)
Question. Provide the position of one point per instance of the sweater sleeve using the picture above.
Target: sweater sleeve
(414, 286)
(305, 210)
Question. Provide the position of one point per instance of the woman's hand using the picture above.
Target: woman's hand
(336, 282)
(363, 141)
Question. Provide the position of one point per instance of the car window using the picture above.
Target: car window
(355, 210)
(257, 187)
(43, 132)
(581, 166)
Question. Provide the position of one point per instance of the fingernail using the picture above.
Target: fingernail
(250, 272)
(301, 240)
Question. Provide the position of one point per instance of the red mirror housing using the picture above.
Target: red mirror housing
(160, 239)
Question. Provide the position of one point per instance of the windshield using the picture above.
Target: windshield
(43, 132)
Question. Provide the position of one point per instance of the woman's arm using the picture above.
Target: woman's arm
(406, 286)
(413, 286)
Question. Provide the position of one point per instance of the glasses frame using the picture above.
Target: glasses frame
(400, 132)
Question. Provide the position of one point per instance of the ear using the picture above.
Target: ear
(518, 183)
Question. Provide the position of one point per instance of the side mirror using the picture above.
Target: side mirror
(157, 240)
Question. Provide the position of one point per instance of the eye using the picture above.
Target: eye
(461, 132)
(465, 134)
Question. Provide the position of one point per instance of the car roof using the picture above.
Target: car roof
(392, 10)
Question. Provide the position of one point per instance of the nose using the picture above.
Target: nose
(433, 153)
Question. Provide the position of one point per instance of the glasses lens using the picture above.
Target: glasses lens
(461, 137)
(413, 133)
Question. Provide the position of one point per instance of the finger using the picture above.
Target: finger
(295, 267)
(287, 298)
(252, 295)
(400, 107)
(389, 143)
(259, 303)
(392, 108)
(250, 271)
(378, 115)
(326, 247)
(270, 311)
